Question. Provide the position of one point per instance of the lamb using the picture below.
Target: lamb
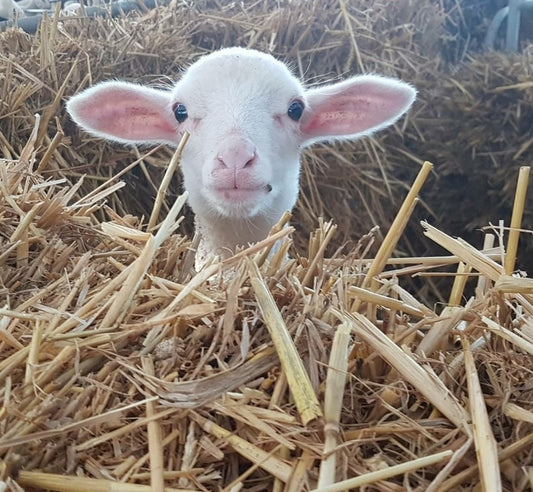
(249, 118)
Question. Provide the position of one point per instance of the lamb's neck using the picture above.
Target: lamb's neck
(222, 235)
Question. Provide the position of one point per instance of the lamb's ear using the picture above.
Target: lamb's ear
(354, 107)
(125, 112)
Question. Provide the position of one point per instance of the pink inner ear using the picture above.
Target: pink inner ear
(345, 116)
(355, 107)
(131, 121)
(125, 112)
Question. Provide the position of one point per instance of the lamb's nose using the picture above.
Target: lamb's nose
(236, 156)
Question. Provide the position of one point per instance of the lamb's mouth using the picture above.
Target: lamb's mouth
(243, 195)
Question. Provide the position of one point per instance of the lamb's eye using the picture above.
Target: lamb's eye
(295, 110)
(180, 112)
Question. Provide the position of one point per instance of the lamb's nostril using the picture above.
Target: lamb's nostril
(220, 162)
(251, 161)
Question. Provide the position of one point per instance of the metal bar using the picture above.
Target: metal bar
(31, 24)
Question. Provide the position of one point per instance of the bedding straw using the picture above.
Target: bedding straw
(516, 220)
(335, 383)
(486, 448)
(328, 356)
(376, 476)
(291, 363)
(398, 226)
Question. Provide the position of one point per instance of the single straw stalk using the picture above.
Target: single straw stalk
(451, 315)
(514, 285)
(33, 355)
(300, 471)
(373, 477)
(64, 483)
(486, 448)
(155, 446)
(516, 219)
(268, 242)
(438, 333)
(49, 151)
(238, 483)
(169, 173)
(467, 253)
(508, 335)
(491, 252)
(256, 455)
(459, 284)
(124, 430)
(29, 148)
(89, 197)
(291, 363)
(395, 231)
(483, 282)
(94, 420)
(384, 301)
(247, 415)
(333, 401)
(275, 229)
(518, 413)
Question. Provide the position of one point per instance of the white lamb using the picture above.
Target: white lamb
(248, 119)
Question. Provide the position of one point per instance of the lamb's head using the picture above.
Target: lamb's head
(248, 119)
(242, 109)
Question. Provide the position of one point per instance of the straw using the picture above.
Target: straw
(161, 192)
(486, 447)
(516, 219)
(271, 464)
(372, 477)
(413, 372)
(335, 382)
(61, 483)
(89, 295)
(155, 446)
(293, 368)
(398, 225)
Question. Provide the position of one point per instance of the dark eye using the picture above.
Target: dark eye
(295, 110)
(180, 112)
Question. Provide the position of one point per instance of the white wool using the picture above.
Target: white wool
(241, 165)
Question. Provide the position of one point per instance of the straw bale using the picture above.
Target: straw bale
(121, 369)
(317, 38)
(484, 118)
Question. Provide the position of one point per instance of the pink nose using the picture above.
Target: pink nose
(237, 155)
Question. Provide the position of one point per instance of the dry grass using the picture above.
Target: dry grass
(122, 369)
(358, 185)
(119, 376)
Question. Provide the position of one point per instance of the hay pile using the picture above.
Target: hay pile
(472, 118)
(119, 364)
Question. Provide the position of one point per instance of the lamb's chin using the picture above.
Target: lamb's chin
(240, 209)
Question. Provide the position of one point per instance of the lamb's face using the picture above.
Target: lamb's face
(242, 157)
(248, 118)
